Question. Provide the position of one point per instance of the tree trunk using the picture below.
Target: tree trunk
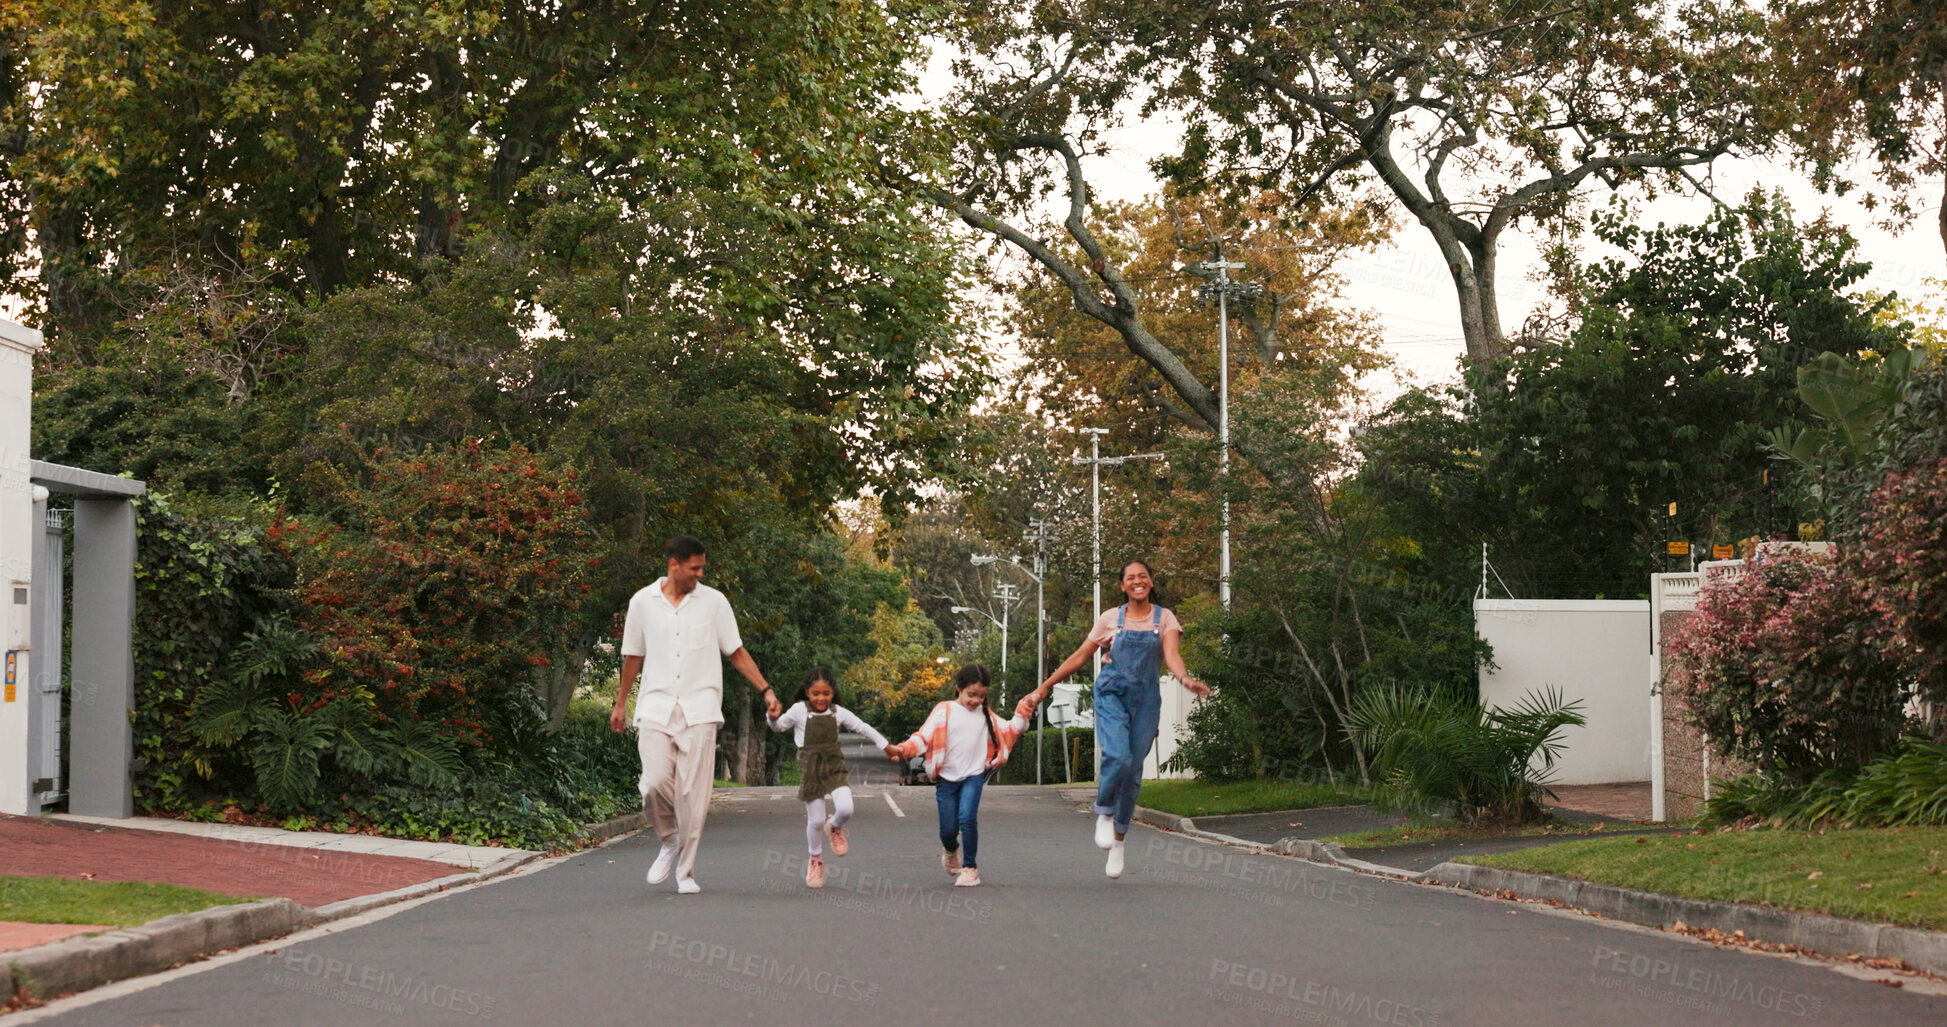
(1472, 270)
(76, 314)
(557, 684)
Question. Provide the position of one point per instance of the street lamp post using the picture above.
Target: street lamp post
(1004, 593)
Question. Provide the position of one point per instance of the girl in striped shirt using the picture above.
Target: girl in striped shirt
(963, 740)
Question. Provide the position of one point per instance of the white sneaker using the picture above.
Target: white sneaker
(665, 861)
(1104, 831)
(968, 877)
(688, 886)
(1115, 860)
(951, 861)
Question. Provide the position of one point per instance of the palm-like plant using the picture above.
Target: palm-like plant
(285, 747)
(1442, 749)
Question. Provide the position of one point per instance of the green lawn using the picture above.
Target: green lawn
(1894, 875)
(1187, 798)
(57, 900)
(1439, 832)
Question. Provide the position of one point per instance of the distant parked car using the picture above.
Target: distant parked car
(913, 771)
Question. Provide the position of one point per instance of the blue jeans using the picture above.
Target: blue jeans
(959, 803)
(1126, 720)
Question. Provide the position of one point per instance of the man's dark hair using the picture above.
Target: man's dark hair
(682, 547)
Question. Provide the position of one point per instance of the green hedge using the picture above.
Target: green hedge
(201, 585)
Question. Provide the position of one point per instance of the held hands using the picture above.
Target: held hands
(772, 708)
(892, 753)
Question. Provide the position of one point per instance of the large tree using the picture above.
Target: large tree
(1472, 117)
(1869, 75)
(646, 242)
(331, 146)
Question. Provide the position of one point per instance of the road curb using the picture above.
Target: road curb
(73, 965)
(615, 826)
(78, 964)
(1828, 935)
(1327, 853)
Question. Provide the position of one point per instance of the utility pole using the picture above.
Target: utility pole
(1096, 460)
(1038, 534)
(1222, 286)
(1039, 528)
(1005, 593)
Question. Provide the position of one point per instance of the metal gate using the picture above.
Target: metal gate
(44, 749)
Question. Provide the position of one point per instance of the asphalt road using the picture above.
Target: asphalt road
(1192, 933)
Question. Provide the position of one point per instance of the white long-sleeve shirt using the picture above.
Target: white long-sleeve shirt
(795, 718)
(954, 740)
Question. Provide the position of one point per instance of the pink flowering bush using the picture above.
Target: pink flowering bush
(1791, 668)
(1905, 562)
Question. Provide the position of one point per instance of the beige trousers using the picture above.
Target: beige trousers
(677, 762)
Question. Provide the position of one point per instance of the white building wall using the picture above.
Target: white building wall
(1593, 650)
(18, 533)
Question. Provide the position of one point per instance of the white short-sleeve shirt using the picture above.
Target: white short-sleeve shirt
(682, 649)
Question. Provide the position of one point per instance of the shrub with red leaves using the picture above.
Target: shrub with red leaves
(1906, 564)
(1790, 668)
(441, 580)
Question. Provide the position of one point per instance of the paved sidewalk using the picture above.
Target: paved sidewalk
(16, 935)
(1318, 822)
(311, 868)
(1627, 801)
(470, 857)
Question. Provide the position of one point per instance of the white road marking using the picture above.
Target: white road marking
(896, 811)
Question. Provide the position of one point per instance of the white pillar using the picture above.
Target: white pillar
(18, 535)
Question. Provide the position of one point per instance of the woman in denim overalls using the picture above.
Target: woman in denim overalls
(1128, 699)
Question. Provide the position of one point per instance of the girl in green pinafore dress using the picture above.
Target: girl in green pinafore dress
(815, 722)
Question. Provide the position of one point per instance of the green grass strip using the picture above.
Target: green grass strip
(1439, 832)
(1893, 875)
(57, 900)
(1188, 798)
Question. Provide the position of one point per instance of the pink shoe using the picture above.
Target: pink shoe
(967, 878)
(840, 843)
(951, 861)
(814, 872)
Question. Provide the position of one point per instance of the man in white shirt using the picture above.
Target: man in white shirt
(676, 635)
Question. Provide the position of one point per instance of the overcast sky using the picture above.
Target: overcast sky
(1407, 286)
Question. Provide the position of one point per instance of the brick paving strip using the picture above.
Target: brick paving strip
(299, 879)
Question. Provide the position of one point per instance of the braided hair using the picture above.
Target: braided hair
(965, 678)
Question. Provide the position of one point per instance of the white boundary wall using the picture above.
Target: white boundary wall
(1593, 650)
